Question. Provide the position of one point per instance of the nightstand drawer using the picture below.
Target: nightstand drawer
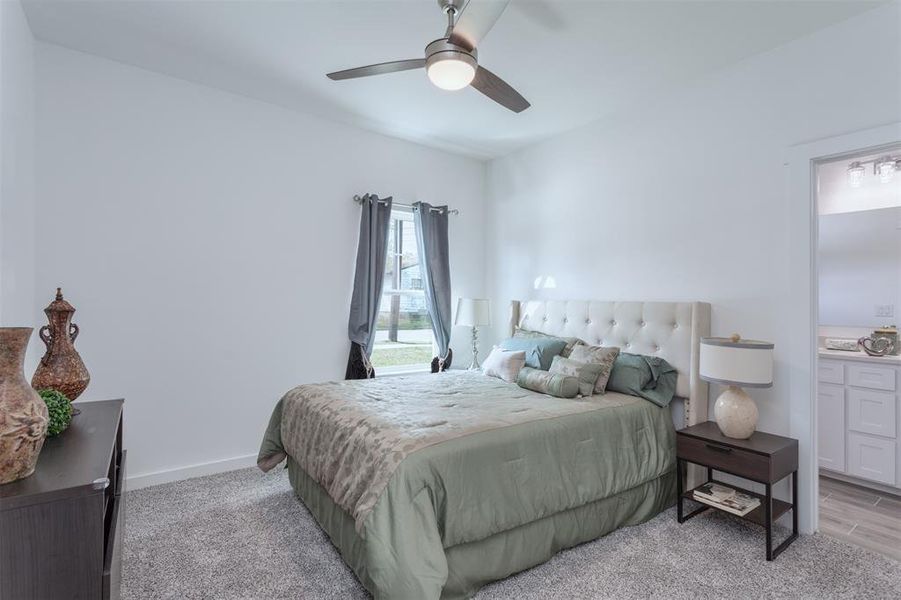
(723, 458)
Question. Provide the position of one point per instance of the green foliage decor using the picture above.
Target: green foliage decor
(60, 409)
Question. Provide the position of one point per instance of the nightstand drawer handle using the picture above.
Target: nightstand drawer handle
(719, 448)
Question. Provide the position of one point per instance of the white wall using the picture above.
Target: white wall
(859, 267)
(208, 242)
(17, 227)
(685, 196)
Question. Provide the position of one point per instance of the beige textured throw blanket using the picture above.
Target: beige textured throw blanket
(350, 436)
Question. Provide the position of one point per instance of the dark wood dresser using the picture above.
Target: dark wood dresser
(61, 528)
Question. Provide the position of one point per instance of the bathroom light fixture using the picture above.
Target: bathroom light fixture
(855, 174)
(885, 167)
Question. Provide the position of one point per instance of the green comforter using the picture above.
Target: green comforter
(408, 473)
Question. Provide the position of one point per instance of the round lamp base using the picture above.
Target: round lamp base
(736, 413)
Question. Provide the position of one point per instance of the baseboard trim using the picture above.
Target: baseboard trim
(872, 485)
(136, 482)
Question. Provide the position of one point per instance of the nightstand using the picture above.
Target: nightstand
(764, 458)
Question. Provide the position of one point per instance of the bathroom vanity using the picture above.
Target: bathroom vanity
(859, 418)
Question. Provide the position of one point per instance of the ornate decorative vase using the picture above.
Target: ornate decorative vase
(23, 415)
(61, 368)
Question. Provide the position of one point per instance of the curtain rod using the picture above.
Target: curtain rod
(450, 211)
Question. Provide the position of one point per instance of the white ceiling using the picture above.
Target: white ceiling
(575, 62)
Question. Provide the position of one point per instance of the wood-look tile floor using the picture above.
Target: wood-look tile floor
(861, 516)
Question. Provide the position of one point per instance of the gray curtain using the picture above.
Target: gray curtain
(375, 217)
(431, 239)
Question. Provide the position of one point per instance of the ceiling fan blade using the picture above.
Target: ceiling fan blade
(379, 69)
(475, 21)
(543, 13)
(499, 90)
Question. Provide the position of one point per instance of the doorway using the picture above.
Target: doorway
(801, 299)
(858, 354)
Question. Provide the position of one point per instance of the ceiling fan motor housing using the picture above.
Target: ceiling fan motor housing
(443, 49)
(451, 5)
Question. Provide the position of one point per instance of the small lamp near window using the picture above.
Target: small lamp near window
(475, 313)
(736, 363)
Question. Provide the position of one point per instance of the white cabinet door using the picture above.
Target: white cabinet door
(830, 371)
(871, 458)
(831, 427)
(871, 411)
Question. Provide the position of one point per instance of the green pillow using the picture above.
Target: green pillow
(648, 377)
(553, 384)
(539, 351)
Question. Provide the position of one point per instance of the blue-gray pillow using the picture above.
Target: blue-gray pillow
(540, 352)
(648, 377)
(571, 342)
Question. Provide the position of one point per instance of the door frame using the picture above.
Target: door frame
(803, 297)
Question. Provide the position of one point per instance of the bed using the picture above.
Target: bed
(431, 486)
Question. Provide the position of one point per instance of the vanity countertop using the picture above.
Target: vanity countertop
(859, 355)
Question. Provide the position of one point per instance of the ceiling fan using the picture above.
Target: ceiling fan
(452, 61)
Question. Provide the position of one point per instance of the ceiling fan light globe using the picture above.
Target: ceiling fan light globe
(451, 73)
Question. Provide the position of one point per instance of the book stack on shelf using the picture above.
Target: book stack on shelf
(726, 498)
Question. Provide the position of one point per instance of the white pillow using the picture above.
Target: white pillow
(504, 364)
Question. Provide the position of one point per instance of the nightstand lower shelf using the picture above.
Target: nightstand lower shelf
(758, 515)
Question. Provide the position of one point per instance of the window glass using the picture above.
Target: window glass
(403, 337)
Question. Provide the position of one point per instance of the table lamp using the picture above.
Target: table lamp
(736, 363)
(475, 313)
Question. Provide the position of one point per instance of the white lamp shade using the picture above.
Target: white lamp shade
(745, 363)
(473, 312)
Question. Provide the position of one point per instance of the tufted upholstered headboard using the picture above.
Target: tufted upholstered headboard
(671, 330)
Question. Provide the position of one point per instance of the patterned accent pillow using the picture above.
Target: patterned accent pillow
(570, 341)
(504, 364)
(543, 382)
(586, 372)
(600, 355)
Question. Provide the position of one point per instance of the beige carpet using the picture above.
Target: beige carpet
(244, 535)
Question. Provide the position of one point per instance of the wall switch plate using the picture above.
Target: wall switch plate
(885, 310)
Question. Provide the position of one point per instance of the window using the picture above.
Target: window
(403, 337)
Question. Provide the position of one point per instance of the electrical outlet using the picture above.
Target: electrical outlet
(885, 310)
